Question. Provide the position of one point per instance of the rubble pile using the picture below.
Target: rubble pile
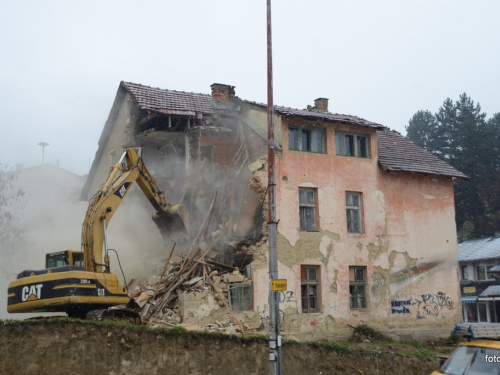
(194, 284)
(158, 299)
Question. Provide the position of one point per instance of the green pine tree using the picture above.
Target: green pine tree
(460, 135)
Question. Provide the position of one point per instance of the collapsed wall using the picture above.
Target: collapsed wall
(204, 165)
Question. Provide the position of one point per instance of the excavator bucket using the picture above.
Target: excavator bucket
(174, 223)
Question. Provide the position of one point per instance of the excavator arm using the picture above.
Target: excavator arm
(173, 220)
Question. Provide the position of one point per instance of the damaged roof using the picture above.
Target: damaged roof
(324, 115)
(169, 102)
(187, 103)
(397, 153)
(479, 249)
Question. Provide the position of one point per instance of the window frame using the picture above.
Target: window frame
(342, 152)
(300, 141)
(314, 206)
(487, 274)
(358, 208)
(464, 275)
(240, 297)
(310, 285)
(354, 300)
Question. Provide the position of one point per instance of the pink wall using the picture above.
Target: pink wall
(408, 244)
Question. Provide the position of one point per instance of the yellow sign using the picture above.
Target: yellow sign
(278, 284)
(470, 289)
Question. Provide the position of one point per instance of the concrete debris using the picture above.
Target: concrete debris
(193, 288)
(166, 301)
(255, 166)
(193, 281)
(232, 278)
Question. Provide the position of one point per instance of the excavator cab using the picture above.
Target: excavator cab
(64, 258)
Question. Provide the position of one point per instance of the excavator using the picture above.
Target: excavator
(80, 283)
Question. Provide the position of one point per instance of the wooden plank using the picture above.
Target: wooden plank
(161, 278)
(231, 208)
(202, 226)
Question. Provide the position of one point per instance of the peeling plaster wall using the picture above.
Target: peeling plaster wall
(408, 245)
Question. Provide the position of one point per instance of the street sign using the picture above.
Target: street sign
(278, 284)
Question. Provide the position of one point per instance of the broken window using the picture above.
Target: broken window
(357, 280)
(309, 288)
(309, 140)
(240, 296)
(353, 212)
(307, 209)
(351, 145)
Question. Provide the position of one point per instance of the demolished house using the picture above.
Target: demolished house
(366, 229)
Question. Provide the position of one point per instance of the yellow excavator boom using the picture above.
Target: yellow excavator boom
(173, 220)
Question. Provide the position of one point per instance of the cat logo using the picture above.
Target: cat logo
(122, 190)
(32, 292)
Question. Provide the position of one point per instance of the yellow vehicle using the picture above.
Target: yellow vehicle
(479, 357)
(80, 283)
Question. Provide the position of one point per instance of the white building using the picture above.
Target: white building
(479, 270)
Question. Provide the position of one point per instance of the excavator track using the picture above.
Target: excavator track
(117, 315)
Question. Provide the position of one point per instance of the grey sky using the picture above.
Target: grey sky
(383, 60)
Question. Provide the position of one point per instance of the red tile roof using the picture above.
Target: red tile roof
(397, 153)
(168, 101)
(293, 112)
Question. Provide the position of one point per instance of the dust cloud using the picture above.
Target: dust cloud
(51, 220)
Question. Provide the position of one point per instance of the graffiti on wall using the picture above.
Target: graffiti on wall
(286, 296)
(423, 305)
(431, 304)
(401, 307)
(264, 316)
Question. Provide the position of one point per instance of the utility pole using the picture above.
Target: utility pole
(275, 363)
(43, 144)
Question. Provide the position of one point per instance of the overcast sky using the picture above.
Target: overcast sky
(62, 61)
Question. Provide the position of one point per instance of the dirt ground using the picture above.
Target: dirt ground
(63, 347)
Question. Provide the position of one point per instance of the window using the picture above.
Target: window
(307, 209)
(309, 288)
(353, 212)
(482, 272)
(240, 296)
(351, 145)
(78, 259)
(357, 280)
(482, 312)
(465, 273)
(309, 140)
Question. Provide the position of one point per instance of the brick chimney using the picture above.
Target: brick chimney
(321, 104)
(222, 93)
